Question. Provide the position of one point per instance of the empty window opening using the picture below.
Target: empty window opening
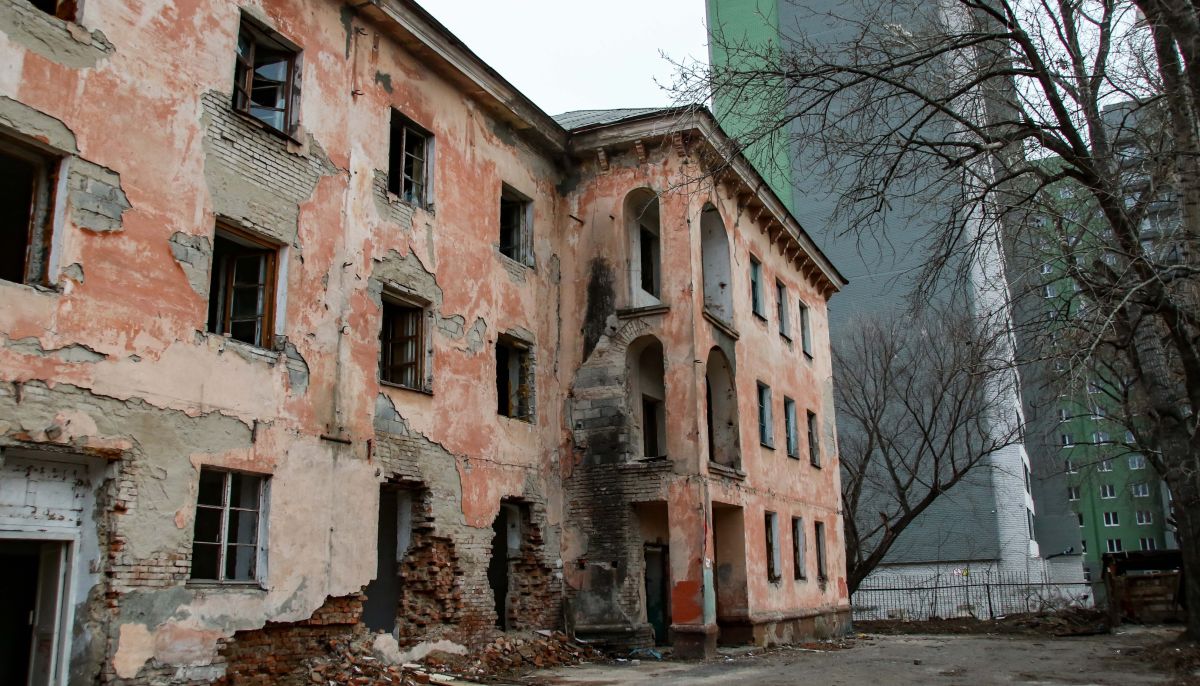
(648, 394)
(814, 441)
(799, 570)
(714, 247)
(410, 155)
(642, 221)
(515, 218)
(766, 429)
(266, 82)
(781, 306)
(819, 536)
(225, 544)
(805, 331)
(757, 297)
(789, 421)
(241, 296)
(721, 411)
(63, 9)
(771, 526)
(514, 378)
(24, 212)
(402, 344)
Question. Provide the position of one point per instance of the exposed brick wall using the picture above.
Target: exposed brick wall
(535, 592)
(274, 655)
(431, 575)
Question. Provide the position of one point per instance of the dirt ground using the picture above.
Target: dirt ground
(1118, 659)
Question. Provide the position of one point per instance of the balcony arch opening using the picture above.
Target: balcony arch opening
(645, 247)
(721, 414)
(714, 248)
(648, 397)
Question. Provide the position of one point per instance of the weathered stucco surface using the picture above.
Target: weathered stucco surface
(133, 99)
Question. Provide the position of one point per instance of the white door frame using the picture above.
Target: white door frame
(66, 598)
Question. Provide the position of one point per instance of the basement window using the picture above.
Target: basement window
(63, 9)
(402, 343)
(514, 378)
(799, 570)
(241, 296)
(771, 526)
(266, 78)
(25, 207)
(515, 218)
(410, 157)
(226, 540)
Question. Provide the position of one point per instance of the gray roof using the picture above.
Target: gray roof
(583, 118)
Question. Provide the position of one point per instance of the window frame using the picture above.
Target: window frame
(523, 250)
(525, 390)
(270, 288)
(758, 299)
(1112, 519)
(799, 550)
(39, 227)
(781, 310)
(1072, 493)
(805, 330)
(244, 70)
(822, 561)
(396, 177)
(814, 438)
(262, 496)
(1114, 545)
(774, 555)
(1144, 517)
(766, 419)
(790, 430)
(1107, 492)
(1140, 489)
(394, 300)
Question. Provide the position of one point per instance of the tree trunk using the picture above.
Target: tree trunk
(1187, 520)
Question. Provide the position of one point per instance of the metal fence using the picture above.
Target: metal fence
(985, 595)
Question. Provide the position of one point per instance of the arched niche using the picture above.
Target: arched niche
(645, 247)
(721, 414)
(647, 397)
(714, 247)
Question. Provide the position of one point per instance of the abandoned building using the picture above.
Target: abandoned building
(309, 322)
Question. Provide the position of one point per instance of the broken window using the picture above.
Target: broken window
(515, 217)
(266, 80)
(24, 211)
(514, 378)
(63, 9)
(819, 535)
(781, 305)
(798, 545)
(766, 432)
(410, 158)
(241, 295)
(814, 443)
(757, 299)
(789, 421)
(642, 223)
(226, 540)
(773, 557)
(402, 343)
(805, 332)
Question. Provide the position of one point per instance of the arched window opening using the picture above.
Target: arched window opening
(721, 414)
(645, 249)
(714, 247)
(648, 396)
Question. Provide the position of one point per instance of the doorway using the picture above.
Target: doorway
(393, 539)
(32, 576)
(658, 575)
(506, 544)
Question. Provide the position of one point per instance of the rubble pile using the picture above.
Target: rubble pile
(511, 653)
(349, 662)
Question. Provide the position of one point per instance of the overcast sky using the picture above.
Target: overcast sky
(570, 55)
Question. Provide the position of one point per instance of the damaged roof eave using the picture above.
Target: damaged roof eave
(420, 33)
(698, 119)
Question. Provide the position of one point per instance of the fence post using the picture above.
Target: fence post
(987, 586)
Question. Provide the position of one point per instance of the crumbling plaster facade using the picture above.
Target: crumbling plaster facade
(107, 366)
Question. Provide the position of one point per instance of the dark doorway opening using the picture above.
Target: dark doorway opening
(383, 593)
(19, 566)
(498, 567)
(657, 591)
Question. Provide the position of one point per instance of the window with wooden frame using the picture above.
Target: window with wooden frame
(25, 211)
(819, 535)
(241, 296)
(266, 77)
(774, 559)
(63, 9)
(226, 536)
(516, 215)
(410, 158)
(814, 441)
(757, 297)
(789, 423)
(514, 378)
(799, 543)
(402, 343)
(805, 331)
(781, 305)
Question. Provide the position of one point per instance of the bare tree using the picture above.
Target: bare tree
(920, 407)
(981, 113)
